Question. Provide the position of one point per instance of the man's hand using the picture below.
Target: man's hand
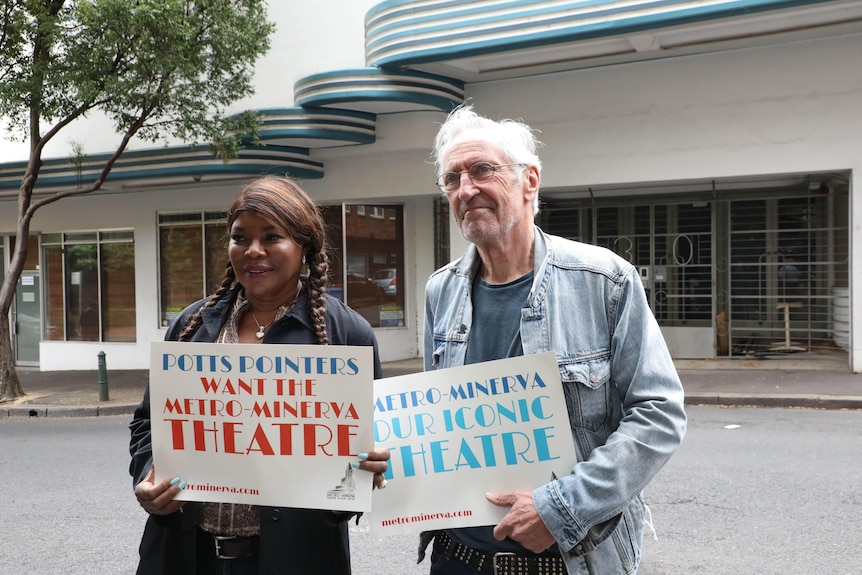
(522, 523)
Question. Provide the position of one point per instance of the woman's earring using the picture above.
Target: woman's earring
(303, 259)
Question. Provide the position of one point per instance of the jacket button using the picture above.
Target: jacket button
(276, 514)
(593, 377)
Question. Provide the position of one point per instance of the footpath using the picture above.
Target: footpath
(801, 382)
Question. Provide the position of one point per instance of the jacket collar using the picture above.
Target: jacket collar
(469, 263)
(213, 318)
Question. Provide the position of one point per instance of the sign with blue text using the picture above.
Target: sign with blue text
(274, 425)
(455, 434)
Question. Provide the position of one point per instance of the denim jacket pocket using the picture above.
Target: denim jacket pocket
(587, 392)
(439, 349)
(449, 348)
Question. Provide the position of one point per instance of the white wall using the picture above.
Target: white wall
(778, 109)
(310, 37)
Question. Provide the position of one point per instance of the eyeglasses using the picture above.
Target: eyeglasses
(479, 173)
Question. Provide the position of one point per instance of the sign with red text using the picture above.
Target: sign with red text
(455, 434)
(274, 425)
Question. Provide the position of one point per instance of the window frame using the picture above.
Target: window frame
(90, 237)
(203, 218)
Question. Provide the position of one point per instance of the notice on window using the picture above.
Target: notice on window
(391, 315)
(274, 425)
(455, 434)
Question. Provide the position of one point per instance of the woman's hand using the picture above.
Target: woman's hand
(375, 461)
(159, 499)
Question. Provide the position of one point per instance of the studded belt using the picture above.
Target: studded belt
(500, 563)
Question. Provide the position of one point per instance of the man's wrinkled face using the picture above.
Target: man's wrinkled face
(485, 212)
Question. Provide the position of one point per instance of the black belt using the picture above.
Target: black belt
(234, 547)
(501, 563)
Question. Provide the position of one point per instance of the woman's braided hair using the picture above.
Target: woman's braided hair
(280, 201)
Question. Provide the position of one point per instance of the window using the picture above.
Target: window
(367, 248)
(90, 286)
(192, 259)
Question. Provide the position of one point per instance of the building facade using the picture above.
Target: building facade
(714, 145)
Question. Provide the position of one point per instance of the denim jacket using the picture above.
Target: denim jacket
(624, 397)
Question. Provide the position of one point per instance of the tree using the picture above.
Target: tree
(156, 68)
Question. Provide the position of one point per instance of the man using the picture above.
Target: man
(520, 291)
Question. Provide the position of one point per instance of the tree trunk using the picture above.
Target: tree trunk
(10, 385)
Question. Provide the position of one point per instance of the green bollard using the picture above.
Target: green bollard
(103, 378)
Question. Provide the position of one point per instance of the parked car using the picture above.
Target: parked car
(363, 295)
(361, 291)
(386, 278)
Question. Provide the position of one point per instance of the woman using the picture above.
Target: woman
(274, 230)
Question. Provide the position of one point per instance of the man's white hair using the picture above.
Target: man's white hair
(515, 139)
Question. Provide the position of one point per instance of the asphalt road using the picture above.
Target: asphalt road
(752, 491)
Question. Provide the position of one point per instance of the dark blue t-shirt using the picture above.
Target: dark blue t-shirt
(496, 334)
(496, 330)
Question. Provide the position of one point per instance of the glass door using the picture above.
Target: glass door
(27, 307)
(671, 245)
(28, 320)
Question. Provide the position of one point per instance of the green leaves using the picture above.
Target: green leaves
(155, 67)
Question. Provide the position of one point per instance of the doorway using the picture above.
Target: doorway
(27, 319)
(787, 265)
(671, 245)
(26, 312)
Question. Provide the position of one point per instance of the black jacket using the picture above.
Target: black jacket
(301, 541)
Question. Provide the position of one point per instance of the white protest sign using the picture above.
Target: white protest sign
(263, 424)
(455, 434)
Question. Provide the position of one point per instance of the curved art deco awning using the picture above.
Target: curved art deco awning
(182, 164)
(380, 91)
(466, 36)
(316, 127)
(422, 53)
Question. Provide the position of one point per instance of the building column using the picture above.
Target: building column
(855, 264)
